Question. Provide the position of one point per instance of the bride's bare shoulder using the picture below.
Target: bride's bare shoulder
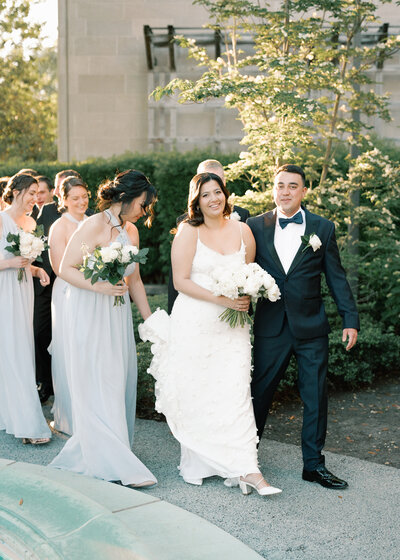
(186, 231)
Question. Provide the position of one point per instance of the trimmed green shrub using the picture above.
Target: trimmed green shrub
(375, 354)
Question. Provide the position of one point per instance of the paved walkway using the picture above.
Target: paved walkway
(305, 522)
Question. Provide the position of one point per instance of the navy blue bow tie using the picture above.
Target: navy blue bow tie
(296, 219)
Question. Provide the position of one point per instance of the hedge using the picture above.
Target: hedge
(170, 172)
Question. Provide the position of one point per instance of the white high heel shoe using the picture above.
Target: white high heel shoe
(246, 488)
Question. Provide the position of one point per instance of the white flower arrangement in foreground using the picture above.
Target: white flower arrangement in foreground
(243, 280)
(109, 263)
(29, 245)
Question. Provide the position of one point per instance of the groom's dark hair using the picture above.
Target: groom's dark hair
(291, 168)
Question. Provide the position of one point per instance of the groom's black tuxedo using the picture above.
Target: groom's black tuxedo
(301, 302)
(297, 324)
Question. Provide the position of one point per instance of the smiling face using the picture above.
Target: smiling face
(77, 201)
(27, 198)
(212, 199)
(135, 209)
(289, 191)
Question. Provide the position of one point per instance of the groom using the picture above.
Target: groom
(296, 247)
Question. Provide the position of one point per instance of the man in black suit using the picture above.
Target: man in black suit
(44, 194)
(296, 247)
(42, 308)
(206, 166)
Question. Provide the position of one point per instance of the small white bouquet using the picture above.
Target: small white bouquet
(109, 263)
(29, 245)
(243, 280)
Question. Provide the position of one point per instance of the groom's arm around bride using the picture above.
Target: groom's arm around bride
(296, 247)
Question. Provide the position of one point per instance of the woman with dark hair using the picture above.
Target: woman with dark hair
(3, 184)
(202, 367)
(20, 410)
(73, 205)
(99, 339)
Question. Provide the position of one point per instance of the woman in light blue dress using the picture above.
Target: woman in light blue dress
(100, 344)
(20, 410)
(74, 203)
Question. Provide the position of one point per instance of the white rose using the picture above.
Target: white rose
(125, 254)
(274, 293)
(235, 216)
(268, 281)
(133, 249)
(315, 242)
(252, 287)
(37, 245)
(25, 243)
(108, 254)
(116, 245)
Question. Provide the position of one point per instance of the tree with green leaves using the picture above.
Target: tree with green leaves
(299, 86)
(28, 109)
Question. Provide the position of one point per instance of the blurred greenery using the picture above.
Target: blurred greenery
(28, 109)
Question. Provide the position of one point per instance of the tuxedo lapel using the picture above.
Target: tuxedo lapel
(311, 227)
(269, 234)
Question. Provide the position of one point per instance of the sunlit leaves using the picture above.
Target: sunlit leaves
(27, 87)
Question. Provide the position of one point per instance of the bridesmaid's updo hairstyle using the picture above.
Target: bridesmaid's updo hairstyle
(194, 214)
(20, 183)
(124, 188)
(66, 185)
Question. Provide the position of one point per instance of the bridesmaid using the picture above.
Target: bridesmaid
(3, 184)
(101, 347)
(73, 205)
(20, 410)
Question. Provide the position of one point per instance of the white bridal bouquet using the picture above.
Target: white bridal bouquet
(109, 263)
(27, 245)
(243, 280)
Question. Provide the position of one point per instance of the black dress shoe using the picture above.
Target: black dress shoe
(45, 392)
(324, 478)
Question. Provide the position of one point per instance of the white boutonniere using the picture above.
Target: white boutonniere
(312, 241)
(235, 216)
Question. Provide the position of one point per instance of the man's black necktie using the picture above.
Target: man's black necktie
(296, 219)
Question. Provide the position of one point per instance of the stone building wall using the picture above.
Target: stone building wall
(104, 82)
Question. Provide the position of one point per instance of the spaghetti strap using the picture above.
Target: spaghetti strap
(241, 232)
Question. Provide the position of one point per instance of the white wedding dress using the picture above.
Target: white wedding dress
(20, 409)
(62, 409)
(102, 373)
(202, 371)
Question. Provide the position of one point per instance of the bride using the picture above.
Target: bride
(201, 364)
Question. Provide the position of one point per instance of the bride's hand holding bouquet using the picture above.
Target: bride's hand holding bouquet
(239, 284)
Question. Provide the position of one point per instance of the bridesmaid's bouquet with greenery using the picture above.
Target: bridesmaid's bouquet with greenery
(109, 263)
(243, 280)
(29, 245)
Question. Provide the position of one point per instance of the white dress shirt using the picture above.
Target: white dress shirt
(288, 240)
